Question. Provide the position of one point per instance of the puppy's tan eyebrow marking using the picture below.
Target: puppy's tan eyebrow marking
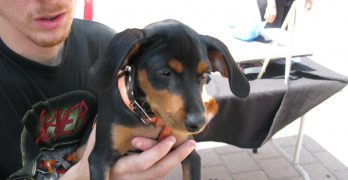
(176, 65)
(202, 67)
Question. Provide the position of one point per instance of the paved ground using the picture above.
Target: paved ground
(226, 162)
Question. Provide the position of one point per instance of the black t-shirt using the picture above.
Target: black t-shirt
(45, 109)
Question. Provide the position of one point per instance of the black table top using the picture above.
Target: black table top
(271, 105)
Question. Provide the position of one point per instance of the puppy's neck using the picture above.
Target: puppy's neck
(128, 96)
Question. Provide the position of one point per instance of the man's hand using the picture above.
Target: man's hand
(308, 4)
(154, 163)
(271, 11)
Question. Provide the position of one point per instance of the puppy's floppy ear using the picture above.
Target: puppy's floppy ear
(223, 62)
(123, 45)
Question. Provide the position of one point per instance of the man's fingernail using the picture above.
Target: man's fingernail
(171, 140)
(192, 144)
(136, 142)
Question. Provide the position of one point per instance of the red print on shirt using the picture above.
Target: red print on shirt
(59, 120)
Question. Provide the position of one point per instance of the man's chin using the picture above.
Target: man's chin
(51, 39)
(48, 44)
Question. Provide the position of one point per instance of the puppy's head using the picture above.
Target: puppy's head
(173, 63)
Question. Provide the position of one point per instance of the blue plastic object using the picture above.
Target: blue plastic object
(248, 32)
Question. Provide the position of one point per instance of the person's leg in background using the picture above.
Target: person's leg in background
(262, 5)
(282, 9)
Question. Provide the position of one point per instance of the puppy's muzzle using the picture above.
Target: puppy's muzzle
(194, 122)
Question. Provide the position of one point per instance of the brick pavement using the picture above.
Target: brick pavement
(232, 163)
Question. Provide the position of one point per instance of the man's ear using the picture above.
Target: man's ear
(124, 45)
(223, 62)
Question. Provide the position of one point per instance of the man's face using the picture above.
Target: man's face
(44, 22)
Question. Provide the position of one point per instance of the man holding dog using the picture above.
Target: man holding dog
(46, 102)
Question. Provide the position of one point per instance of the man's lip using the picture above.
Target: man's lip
(50, 21)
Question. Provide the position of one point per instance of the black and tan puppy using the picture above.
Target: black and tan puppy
(164, 67)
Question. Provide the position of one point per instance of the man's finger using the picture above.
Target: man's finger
(142, 143)
(144, 160)
(174, 158)
(162, 167)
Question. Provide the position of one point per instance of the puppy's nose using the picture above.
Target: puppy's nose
(194, 122)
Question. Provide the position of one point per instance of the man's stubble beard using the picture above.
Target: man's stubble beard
(51, 43)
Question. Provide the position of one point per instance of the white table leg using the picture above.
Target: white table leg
(296, 159)
(263, 69)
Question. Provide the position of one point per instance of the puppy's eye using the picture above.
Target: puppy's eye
(165, 73)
